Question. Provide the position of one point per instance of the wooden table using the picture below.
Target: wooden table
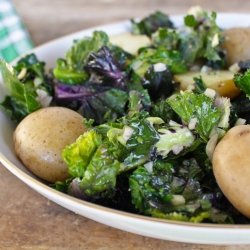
(27, 219)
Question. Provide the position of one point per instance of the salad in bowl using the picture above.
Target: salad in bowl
(148, 127)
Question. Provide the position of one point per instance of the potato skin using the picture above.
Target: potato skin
(40, 138)
(237, 44)
(231, 166)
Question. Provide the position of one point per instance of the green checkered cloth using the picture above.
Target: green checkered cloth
(14, 38)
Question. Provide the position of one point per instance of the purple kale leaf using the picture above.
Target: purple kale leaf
(104, 68)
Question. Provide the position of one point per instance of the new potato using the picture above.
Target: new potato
(237, 48)
(220, 81)
(236, 44)
(231, 166)
(40, 138)
(135, 41)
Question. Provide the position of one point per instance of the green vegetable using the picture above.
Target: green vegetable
(154, 68)
(70, 70)
(162, 109)
(199, 108)
(200, 86)
(78, 155)
(191, 21)
(94, 164)
(99, 178)
(141, 140)
(243, 82)
(164, 192)
(69, 76)
(199, 38)
(167, 38)
(174, 138)
(145, 150)
(148, 56)
(21, 83)
(150, 24)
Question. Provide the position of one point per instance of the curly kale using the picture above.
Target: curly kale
(199, 38)
(172, 190)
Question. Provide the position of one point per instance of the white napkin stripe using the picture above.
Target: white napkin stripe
(10, 20)
(5, 6)
(13, 37)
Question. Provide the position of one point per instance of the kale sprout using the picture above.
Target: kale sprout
(151, 23)
(103, 67)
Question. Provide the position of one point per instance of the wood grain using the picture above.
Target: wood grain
(30, 221)
(27, 219)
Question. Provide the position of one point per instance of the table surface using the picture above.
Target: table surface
(27, 219)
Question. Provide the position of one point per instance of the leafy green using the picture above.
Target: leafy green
(173, 138)
(161, 108)
(104, 96)
(122, 56)
(94, 163)
(142, 192)
(241, 104)
(145, 150)
(140, 142)
(16, 89)
(138, 101)
(99, 155)
(99, 178)
(167, 38)
(202, 41)
(77, 155)
(243, 82)
(199, 38)
(150, 24)
(200, 86)
(189, 105)
(240, 108)
(160, 185)
(149, 56)
(166, 193)
(70, 69)
(154, 69)
(191, 21)
(20, 82)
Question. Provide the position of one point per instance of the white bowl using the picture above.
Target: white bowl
(147, 226)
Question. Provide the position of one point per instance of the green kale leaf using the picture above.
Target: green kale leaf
(154, 68)
(70, 70)
(243, 82)
(141, 138)
(78, 155)
(94, 163)
(150, 24)
(22, 84)
(99, 179)
(199, 38)
(198, 107)
(172, 190)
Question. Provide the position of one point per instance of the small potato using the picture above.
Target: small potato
(237, 44)
(220, 81)
(135, 41)
(40, 138)
(231, 166)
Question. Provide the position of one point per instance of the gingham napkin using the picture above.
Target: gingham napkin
(14, 38)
